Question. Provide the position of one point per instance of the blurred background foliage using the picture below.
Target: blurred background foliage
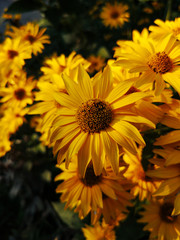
(29, 207)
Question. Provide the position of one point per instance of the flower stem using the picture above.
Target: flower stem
(169, 5)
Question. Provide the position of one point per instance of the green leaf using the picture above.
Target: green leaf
(22, 6)
(67, 216)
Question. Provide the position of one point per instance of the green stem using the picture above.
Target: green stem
(169, 5)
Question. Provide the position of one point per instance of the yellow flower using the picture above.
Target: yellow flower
(163, 29)
(159, 221)
(157, 62)
(53, 67)
(97, 63)
(144, 186)
(114, 15)
(13, 52)
(31, 34)
(94, 120)
(98, 232)
(169, 172)
(12, 119)
(20, 93)
(87, 193)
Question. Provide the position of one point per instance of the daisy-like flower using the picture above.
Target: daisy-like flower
(55, 66)
(87, 193)
(99, 231)
(13, 52)
(156, 62)
(12, 119)
(114, 15)
(160, 222)
(144, 186)
(97, 63)
(20, 93)
(166, 28)
(31, 34)
(94, 120)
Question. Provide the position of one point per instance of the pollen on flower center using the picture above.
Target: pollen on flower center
(94, 115)
(114, 15)
(160, 63)
(90, 178)
(30, 38)
(165, 212)
(20, 93)
(12, 54)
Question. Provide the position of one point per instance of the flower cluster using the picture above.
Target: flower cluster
(98, 124)
(16, 88)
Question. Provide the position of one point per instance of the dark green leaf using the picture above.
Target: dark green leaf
(67, 216)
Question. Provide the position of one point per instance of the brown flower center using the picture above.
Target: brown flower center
(20, 94)
(160, 63)
(90, 178)
(165, 212)
(12, 54)
(30, 38)
(94, 115)
(114, 15)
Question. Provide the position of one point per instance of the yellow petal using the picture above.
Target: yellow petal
(85, 200)
(119, 91)
(105, 84)
(66, 100)
(97, 194)
(170, 137)
(128, 99)
(108, 191)
(60, 133)
(84, 156)
(73, 89)
(171, 122)
(128, 130)
(75, 145)
(122, 141)
(168, 186)
(85, 83)
(97, 154)
(176, 210)
(112, 151)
